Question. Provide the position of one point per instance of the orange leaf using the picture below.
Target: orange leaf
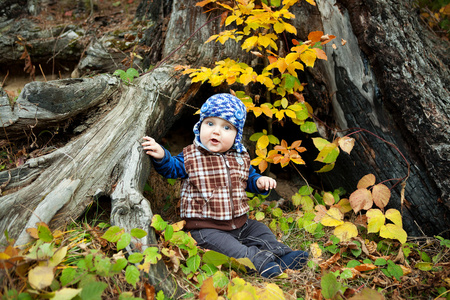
(366, 181)
(365, 267)
(381, 195)
(315, 36)
(263, 166)
(332, 260)
(203, 3)
(223, 18)
(207, 291)
(272, 59)
(33, 232)
(320, 54)
(361, 199)
(296, 144)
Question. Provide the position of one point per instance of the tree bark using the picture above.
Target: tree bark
(394, 84)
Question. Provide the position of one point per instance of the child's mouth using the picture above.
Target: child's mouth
(214, 141)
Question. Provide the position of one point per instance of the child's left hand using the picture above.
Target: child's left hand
(264, 183)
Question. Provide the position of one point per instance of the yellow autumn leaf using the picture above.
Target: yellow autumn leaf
(40, 277)
(375, 219)
(264, 41)
(66, 293)
(245, 79)
(281, 65)
(315, 250)
(311, 2)
(279, 27)
(395, 216)
(366, 181)
(249, 43)
(381, 195)
(346, 143)
(289, 28)
(328, 198)
(392, 231)
(346, 231)
(279, 115)
(266, 110)
(262, 142)
(333, 217)
(344, 205)
(271, 292)
(58, 256)
(308, 57)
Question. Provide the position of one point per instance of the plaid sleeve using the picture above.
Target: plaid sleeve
(171, 166)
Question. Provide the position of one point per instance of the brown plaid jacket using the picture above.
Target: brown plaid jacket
(215, 187)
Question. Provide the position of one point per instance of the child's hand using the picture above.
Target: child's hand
(152, 148)
(264, 183)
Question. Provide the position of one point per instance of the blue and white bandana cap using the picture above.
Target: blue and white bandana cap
(229, 108)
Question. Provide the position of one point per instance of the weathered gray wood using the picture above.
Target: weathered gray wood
(42, 104)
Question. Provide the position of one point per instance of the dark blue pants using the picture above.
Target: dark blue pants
(253, 240)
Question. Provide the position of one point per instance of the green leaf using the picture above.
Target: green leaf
(152, 255)
(171, 181)
(138, 233)
(380, 262)
(326, 168)
(330, 285)
(132, 73)
(353, 263)
(328, 154)
(305, 190)
(395, 270)
(259, 216)
(308, 127)
(193, 263)
(254, 137)
(346, 274)
(215, 258)
(289, 82)
(135, 258)
(68, 276)
(93, 290)
(102, 266)
(113, 234)
(120, 264)
(124, 241)
(277, 212)
(168, 233)
(273, 139)
(45, 234)
(132, 275)
(424, 266)
(158, 223)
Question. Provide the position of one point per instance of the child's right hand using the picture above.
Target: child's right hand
(152, 148)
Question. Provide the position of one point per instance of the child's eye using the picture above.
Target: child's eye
(227, 127)
(210, 124)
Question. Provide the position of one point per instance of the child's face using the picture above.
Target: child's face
(217, 135)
